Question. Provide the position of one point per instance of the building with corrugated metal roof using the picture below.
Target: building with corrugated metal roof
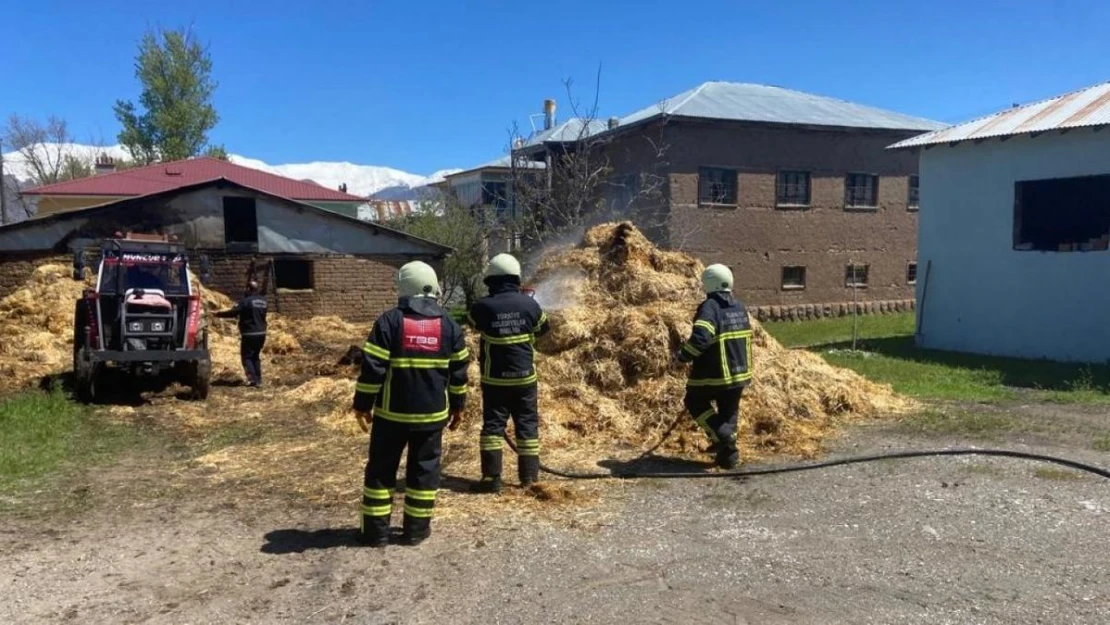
(796, 192)
(1015, 231)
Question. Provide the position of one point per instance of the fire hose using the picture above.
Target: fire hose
(794, 468)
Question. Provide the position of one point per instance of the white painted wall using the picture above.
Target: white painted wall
(984, 297)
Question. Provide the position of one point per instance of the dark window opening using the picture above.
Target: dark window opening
(793, 278)
(912, 201)
(495, 194)
(793, 188)
(716, 186)
(861, 191)
(911, 273)
(856, 275)
(240, 221)
(1062, 214)
(294, 275)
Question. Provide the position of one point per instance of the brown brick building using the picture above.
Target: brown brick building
(795, 192)
(323, 263)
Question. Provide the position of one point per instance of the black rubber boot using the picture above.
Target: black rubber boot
(528, 469)
(415, 531)
(491, 473)
(728, 457)
(374, 531)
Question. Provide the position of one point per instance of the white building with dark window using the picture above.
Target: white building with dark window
(1014, 239)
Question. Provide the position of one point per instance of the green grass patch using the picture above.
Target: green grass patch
(1062, 475)
(839, 329)
(232, 434)
(960, 423)
(886, 353)
(1101, 443)
(43, 433)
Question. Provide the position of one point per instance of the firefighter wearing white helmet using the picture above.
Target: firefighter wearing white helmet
(412, 384)
(509, 321)
(720, 349)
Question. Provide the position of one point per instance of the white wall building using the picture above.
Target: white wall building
(1013, 254)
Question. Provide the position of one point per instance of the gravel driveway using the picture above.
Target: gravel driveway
(964, 540)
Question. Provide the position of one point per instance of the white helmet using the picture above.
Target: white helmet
(716, 278)
(503, 265)
(417, 279)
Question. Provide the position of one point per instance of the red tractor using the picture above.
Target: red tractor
(143, 316)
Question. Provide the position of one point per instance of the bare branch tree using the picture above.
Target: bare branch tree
(584, 171)
(45, 149)
(44, 153)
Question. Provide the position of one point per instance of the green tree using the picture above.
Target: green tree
(176, 109)
(217, 151)
(448, 222)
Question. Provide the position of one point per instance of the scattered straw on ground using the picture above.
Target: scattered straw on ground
(609, 388)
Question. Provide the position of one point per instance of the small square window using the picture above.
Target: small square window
(861, 191)
(240, 221)
(293, 274)
(792, 189)
(911, 273)
(793, 278)
(912, 200)
(716, 186)
(856, 276)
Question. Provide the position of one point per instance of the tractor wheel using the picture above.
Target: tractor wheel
(85, 374)
(201, 378)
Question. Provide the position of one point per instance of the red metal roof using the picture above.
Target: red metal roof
(168, 176)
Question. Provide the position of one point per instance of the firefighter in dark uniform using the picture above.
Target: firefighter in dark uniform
(509, 321)
(412, 384)
(720, 347)
(251, 311)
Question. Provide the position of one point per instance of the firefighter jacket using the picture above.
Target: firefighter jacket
(720, 345)
(251, 311)
(413, 366)
(509, 322)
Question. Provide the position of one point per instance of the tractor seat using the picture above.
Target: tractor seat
(154, 298)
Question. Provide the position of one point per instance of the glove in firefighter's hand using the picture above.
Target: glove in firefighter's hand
(456, 420)
(364, 419)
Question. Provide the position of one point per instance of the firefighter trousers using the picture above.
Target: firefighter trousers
(499, 404)
(388, 440)
(716, 411)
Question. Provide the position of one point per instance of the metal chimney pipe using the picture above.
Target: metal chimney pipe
(614, 122)
(548, 114)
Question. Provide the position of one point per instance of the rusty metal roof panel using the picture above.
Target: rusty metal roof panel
(1078, 109)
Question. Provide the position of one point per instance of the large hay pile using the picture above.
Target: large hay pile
(36, 333)
(619, 309)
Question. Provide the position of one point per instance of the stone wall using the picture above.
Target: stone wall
(803, 312)
(354, 288)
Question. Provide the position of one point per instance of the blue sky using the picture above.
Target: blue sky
(428, 85)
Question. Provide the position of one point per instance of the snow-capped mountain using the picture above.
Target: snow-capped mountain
(363, 180)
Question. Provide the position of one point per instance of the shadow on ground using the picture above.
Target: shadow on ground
(283, 542)
(1032, 374)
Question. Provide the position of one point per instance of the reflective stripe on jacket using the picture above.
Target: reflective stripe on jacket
(509, 321)
(720, 344)
(414, 365)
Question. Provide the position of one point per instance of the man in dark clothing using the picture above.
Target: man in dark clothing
(251, 311)
(509, 322)
(412, 384)
(720, 347)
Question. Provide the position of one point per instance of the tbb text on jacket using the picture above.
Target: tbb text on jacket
(414, 366)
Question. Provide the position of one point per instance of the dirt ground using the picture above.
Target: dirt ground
(152, 539)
